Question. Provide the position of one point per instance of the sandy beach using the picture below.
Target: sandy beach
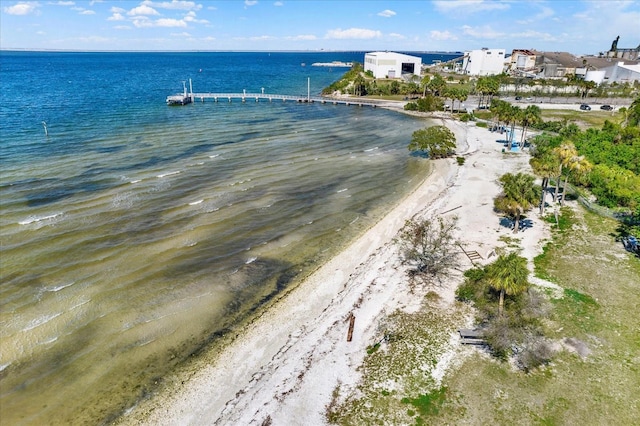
(283, 368)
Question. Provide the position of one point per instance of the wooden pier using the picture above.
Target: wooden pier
(183, 99)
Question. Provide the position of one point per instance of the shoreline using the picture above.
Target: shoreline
(285, 364)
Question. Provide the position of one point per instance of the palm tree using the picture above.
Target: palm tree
(565, 152)
(578, 166)
(508, 275)
(425, 83)
(519, 195)
(545, 165)
(530, 115)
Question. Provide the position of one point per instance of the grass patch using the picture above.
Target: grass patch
(598, 311)
(428, 404)
(583, 119)
(403, 361)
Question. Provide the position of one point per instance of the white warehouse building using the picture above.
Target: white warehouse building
(483, 62)
(391, 65)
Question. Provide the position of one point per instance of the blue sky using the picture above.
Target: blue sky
(579, 27)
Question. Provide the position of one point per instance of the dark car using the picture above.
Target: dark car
(585, 107)
(518, 98)
(606, 107)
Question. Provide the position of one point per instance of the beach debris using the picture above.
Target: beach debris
(352, 321)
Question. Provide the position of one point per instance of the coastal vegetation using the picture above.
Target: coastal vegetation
(602, 163)
(429, 247)
(519, 195)
(436, 141)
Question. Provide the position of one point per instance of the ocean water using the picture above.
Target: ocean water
(134, 234)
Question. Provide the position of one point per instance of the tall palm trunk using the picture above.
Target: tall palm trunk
(545, 184)
(564, 190)
(516, 224)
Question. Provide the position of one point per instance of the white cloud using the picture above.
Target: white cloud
(469, 6)
(87, 12)
(352, 33)
(397, 36)
(535, 35)
(22, 8)
(63, 3)
(248, 3)
(191, 17)
(387, 13)
(182, 34)
(442, 35)
(117, 10)
(485, 32)
(169, 22)
(262, 38)
(278, 3)
(117, 16)
(92, 2)
(174, 4)
(302, 37)
(142, 10)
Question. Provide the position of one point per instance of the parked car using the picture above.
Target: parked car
(518, 98)
(585, 107)
(606, 107)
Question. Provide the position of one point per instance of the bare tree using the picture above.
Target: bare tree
(429, 247)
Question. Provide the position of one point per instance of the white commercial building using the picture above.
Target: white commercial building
(622, 72)
(391, 65)
(483, 62)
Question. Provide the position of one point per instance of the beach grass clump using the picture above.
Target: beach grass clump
(400, 371)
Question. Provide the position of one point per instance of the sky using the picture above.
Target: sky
(575, 26)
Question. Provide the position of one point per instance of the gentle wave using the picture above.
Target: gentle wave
(36, 219)
(37, 322)
(169, 174)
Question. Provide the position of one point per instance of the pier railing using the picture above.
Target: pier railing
(182, 99)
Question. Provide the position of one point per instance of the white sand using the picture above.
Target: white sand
(287, 363)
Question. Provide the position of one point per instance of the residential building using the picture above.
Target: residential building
(391, 65)
(522, 62)
(556, 64)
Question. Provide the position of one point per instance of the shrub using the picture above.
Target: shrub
(460, 160)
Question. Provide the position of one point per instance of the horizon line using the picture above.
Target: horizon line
(17, 49)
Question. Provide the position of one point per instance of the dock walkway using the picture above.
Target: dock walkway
(183, 99)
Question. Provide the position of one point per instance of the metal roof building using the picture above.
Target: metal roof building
(391, 65)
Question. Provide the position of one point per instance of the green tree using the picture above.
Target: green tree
(438, 141)
(436, 84)
(633, 113)
(566, 153)
(519, 195)
(508, 275)
(425, 84)
(546, 165)
(579, 167)
(530, 115)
